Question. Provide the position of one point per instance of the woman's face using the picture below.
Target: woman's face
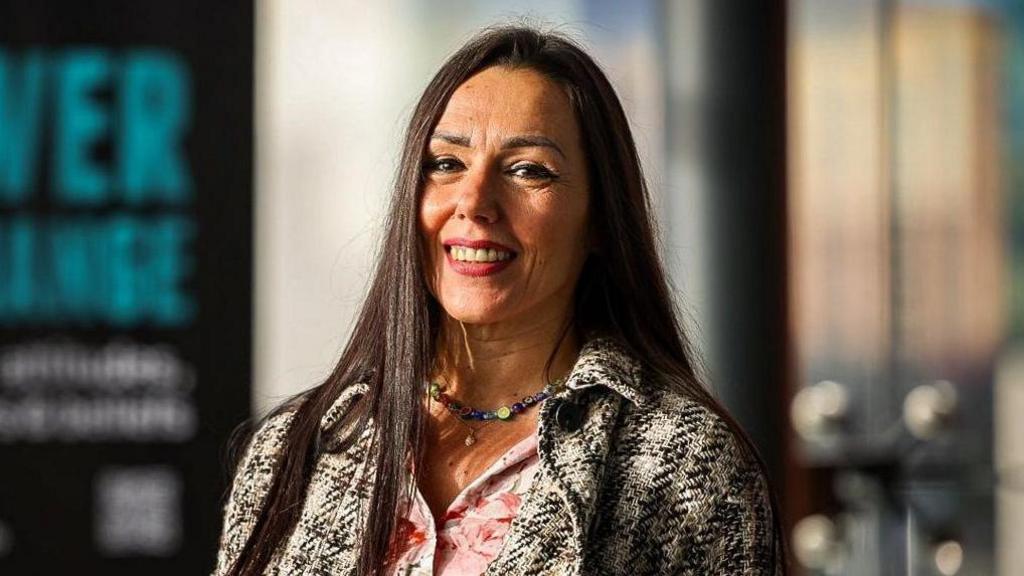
(503, 215)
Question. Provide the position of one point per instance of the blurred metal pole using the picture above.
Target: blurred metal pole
(744, 153)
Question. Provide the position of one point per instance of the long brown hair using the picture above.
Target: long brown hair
(622, 291)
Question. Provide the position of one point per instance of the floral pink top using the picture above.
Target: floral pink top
(473, 529)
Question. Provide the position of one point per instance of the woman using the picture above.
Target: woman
(517, 395)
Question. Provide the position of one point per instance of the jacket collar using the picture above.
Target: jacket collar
(602, 361)
(572, 461)
(605, 361)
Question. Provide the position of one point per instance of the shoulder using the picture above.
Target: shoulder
(694, 443)
(262, 452)
(254, 475)
(666, 431)
(251, 483)
(689, 487)
(684, 434)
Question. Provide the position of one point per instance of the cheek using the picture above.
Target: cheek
(430, 222)
(566, 229)
(558, 243)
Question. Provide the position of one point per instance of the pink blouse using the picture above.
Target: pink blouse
(474, 526)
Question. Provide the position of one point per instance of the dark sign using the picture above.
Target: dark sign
(125, 280)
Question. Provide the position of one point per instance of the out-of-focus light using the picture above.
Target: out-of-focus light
(928, 408)
(816, 542)
(817, 410)
(949, 557)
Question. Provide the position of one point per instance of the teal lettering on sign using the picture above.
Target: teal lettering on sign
(137, 103)
(81, 122)
(154, 112)
(123, 270)
(21, 103)
(102, 134)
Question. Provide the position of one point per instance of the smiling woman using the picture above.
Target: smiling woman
(518, 396)
(505, 171)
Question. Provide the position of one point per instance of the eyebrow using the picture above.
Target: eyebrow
(524, 141)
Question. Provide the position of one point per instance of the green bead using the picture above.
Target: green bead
(504, 412)
(435, 390)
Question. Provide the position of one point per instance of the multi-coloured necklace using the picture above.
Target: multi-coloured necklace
(463, 412)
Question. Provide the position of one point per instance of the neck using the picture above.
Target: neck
(487, 366)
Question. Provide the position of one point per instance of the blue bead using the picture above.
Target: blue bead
(518, 407)
(476, 415)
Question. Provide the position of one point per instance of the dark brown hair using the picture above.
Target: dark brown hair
(622, 292)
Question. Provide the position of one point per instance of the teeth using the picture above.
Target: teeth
(464, 254)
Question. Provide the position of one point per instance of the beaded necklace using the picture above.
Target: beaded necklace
(464, 413)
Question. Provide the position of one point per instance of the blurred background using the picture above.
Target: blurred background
(190, 193)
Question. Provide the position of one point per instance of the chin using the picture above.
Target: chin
(478, 310)
(476, 307)
(474, 315)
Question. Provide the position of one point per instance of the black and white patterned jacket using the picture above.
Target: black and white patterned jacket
(631, 480)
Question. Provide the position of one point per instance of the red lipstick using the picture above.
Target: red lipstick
(477, 268)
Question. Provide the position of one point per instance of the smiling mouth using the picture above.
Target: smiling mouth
(469, 255)
(478, 262)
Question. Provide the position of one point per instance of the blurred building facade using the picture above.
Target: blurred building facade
(904, 192)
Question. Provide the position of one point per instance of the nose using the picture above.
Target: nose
(478, 197)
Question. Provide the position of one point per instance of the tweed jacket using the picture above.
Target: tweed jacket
(632, 480)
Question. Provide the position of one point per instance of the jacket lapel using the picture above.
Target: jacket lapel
(563, 502)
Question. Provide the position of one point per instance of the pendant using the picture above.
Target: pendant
(471, 439)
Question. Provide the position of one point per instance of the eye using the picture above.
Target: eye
(532, 171)
(442, 165)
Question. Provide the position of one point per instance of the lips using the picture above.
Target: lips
(468, 267)
(477, 268)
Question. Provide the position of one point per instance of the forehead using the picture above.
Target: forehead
(500, 99)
